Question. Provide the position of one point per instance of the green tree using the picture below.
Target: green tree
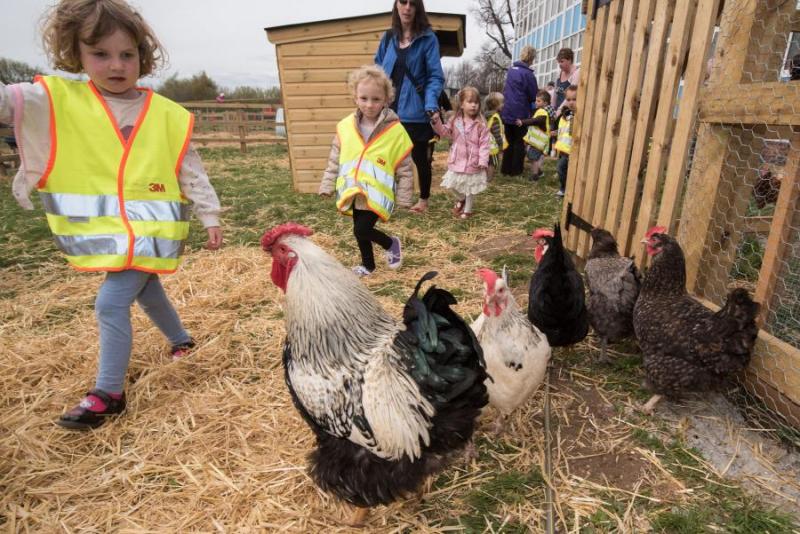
(198, 87)
(16, 71)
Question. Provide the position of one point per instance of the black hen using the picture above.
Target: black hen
(388, 401)
(556, 300)
(613, 282)
(686, 346)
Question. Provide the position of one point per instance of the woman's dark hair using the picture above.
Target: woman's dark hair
(566, 53)
(421, 22)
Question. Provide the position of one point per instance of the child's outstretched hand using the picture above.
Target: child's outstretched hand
(518, 122)
(214, 237)
(326, 194)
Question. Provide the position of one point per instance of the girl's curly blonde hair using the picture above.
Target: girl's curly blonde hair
(73, 21)
(374, 73)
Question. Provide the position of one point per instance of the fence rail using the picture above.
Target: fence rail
(242, 123)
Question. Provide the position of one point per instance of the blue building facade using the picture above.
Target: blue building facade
(549, 26)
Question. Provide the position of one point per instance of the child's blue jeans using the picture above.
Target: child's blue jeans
(113, 312)
(561, 168)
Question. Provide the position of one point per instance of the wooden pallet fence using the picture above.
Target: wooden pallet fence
(658, 139)
(242, 123)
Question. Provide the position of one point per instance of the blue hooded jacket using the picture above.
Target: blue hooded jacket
(519, 92)
(425, 65)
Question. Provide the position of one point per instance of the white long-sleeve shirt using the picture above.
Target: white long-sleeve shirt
(27, 107)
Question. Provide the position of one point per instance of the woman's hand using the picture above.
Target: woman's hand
(326, 194)
(214, 237)
(518, 122)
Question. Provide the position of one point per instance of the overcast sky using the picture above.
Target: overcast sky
(225, 38)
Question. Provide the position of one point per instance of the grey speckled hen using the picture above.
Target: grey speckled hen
(613, 282)
(686, 346)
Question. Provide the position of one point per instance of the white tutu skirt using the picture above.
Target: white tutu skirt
(463, 183)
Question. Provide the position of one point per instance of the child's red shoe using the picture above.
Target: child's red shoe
(182, 350)
(81, 417)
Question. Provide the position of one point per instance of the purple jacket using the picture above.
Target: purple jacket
(519, 92)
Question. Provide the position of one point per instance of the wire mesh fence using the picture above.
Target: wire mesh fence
(703, 137)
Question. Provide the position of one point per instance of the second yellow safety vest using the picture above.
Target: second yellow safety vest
(494, 148)
(368, 169)
(536, 137)
(564, 139)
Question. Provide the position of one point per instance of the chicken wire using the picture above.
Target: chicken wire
(761, 162)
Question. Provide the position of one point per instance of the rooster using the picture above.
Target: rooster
(516, 352)
(556, 304)
(389, 401)
(614, 283)
(686, 346)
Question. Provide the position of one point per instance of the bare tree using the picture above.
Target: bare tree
(497, 17)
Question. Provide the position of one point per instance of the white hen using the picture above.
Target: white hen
(516, 352)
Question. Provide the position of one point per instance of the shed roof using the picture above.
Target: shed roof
(449, 29)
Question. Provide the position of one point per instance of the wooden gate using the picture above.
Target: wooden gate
(663, 135)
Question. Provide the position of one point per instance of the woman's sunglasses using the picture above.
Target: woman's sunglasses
(406, 2)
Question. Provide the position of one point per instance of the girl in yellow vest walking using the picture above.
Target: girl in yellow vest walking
(115, 173)
(563, 144)
(497, 132)
(538, 136)
(369, 165)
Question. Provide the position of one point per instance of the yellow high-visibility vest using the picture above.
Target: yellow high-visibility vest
(115, 204)
(537, 138)
(494, 148)
(368, 169)
(564, 139)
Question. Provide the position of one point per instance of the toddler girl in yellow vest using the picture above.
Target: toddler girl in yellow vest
(563, 144)
(114, 168)
(369, 165)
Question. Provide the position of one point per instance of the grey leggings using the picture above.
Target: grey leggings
(113, 311)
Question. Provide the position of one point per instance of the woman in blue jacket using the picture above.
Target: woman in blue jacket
(520, 94)
(409, 54)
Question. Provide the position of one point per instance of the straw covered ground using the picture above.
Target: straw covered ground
(213, 443)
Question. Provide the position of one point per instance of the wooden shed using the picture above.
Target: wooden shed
(314, 59)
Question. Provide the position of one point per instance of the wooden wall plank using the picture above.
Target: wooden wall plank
(287, 119)
(311, 139)
(778, 242)
(311, 151)
(366, 36)
(314, 88)
(317, 75)
(664, 123)
(644, 120)
(687, 111)
(582, 138)
(619, 76)
(320, 114)
(602, 121)
(314, 127)
(630, 111)
(351, 62)
(312, 164)
(589, 51)
(327, 47)
(334, 101)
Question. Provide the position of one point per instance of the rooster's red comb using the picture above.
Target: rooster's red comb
(271, 236)
(542, 232)
(488, 276)
(655, 230)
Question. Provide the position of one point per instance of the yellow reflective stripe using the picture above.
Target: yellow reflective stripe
(97, 262)
(167, 230)
(62, 225)
(117, 245)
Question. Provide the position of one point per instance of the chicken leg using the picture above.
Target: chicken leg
(651, 404)
(359, 517)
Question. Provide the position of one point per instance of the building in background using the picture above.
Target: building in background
(549, 26)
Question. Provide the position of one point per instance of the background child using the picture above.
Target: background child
(497, 132)
(564, 140)
(134, 234)
(365, 181)
(538, 136)
(469, 151)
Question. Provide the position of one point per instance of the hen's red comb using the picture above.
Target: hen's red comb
(271, 236)
(655, 230)
(542, 232)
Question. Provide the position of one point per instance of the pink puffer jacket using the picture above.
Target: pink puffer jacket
(469, 149)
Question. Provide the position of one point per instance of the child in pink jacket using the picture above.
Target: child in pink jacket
(469, 151)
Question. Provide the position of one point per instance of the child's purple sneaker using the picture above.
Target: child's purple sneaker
(394, 256)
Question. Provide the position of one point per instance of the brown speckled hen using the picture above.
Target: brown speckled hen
(686, 346)
(613, 282)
